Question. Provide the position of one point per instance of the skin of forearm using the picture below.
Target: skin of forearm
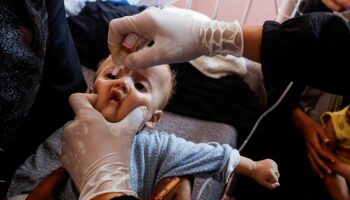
(245, 166)
(252, 42)
(297, 116)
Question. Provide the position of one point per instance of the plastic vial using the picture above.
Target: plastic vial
(130, 44)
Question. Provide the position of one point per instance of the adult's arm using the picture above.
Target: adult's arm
(315, 140)
(337, 5)
(306, 49)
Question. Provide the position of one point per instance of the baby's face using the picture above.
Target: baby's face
(117, 96)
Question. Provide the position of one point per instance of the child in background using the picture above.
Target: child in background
(155, 155)
(337, 128)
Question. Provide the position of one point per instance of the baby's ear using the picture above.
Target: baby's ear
(151, 123)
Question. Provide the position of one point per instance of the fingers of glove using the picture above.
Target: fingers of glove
(118, 29)
(115, 37)
(142, 24)
(147, 57)
(130, 124)
(82, 101)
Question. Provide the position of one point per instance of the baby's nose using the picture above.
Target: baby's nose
(122, 85)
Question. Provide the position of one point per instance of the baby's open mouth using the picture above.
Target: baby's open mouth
(116, 95)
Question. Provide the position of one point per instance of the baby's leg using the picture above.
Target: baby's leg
(337, 187)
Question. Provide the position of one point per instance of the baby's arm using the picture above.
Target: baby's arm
(265, 172)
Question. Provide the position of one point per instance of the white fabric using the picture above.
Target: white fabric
(220, 66)
(96, 153)
(73, 7)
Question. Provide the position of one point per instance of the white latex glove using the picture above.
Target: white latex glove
(177, 38)
(95, 152)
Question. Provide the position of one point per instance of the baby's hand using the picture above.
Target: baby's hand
(266, 173)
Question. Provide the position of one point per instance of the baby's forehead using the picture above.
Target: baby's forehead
(159, 73)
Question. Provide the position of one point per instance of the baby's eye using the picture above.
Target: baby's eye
(140, 86)
(111, 76)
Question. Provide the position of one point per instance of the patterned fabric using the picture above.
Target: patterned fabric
(23, 36)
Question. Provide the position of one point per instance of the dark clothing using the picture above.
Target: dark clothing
(278, 138)
(61, 76)
(90, 28)
(228, 99)
(310, 49)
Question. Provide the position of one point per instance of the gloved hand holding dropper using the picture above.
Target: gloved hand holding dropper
(177, 38)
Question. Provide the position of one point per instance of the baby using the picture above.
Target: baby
(155, 155)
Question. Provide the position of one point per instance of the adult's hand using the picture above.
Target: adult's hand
(315, 139)
(95, 152)
(177, 38)
(341, 168)
(184, 190)
(337, 5)
(338, 166)
(181, 191)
